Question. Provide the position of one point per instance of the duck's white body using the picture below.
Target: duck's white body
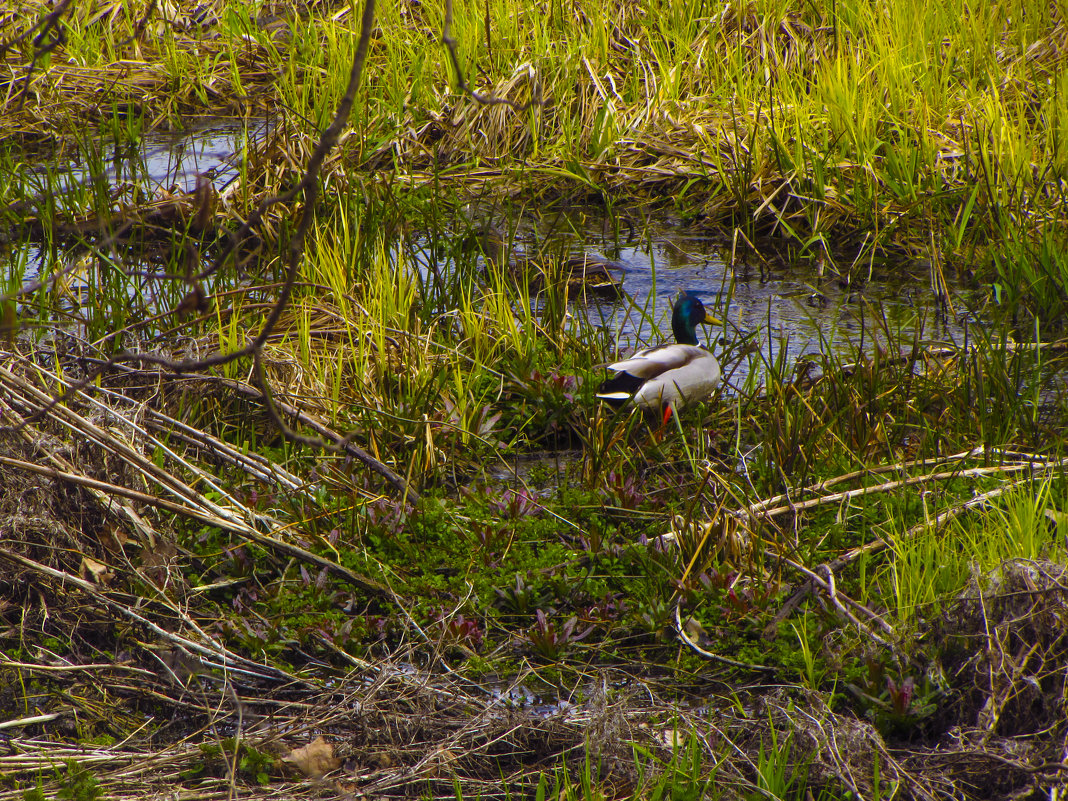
(667, 375)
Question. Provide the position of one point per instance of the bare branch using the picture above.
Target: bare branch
(42, 44)
(308, 185)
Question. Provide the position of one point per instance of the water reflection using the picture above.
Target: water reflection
(169, 161)
(782, 305)
(157, 166)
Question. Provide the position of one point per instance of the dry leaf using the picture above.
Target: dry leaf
(195, 302)
(113, 538)
(93, 570)
(205, 199)
(314, 759)
(180, 663)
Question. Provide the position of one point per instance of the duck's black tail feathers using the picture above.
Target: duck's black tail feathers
(619, 389)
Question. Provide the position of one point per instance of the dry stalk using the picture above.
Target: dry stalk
(189, 502)
(307, 188)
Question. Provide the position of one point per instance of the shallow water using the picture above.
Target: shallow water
(783, 309)
(782, 305)
(160, 163)
(172, 160)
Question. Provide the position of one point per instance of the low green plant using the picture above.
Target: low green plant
(250, 763)
(1022, 524)
(923, 572)
(686, 776)
(814, 671)
(898, 700)
(74, 783)
(550, 639)
(778, 773)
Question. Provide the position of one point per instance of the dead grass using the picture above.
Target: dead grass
(105, 640)
(640, 116)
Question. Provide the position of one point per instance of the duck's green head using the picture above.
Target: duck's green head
(688, 312)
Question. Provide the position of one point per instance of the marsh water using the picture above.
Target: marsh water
(779, 307)
(166, 160)
(781, 304)
(158, 164)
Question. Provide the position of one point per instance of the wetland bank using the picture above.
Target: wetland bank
(306, 493)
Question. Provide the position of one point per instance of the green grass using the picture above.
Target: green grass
(851, 132)
(923, 126)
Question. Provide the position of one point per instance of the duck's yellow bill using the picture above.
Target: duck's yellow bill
(712, 319)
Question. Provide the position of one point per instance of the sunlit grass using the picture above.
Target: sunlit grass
(919, 124)
(933, 566)
(847, 130)
(1027, 523)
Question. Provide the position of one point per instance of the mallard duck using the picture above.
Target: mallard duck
(667, 377)
(580, 273)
